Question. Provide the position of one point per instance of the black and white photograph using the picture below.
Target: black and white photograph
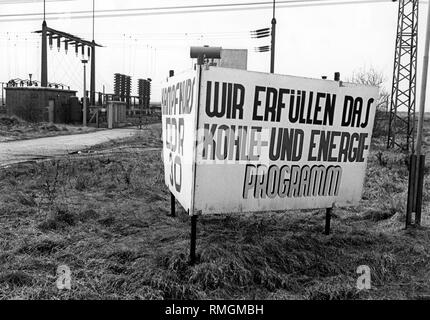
(214, 159)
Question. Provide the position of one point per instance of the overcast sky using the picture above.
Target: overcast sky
(311, 41)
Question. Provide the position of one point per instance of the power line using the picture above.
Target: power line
(28, 1)
(217, 5)
(203, 8)
(117, 37)
(145, 35)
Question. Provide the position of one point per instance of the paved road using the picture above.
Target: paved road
(26, 150)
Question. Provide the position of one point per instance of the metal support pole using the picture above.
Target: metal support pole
(93, 64)
(327, 220)
(84, 115)
(172, 197)
(410, 207)
(140, 111)
(419, 181)
(193, 239)
(172, 205)
(420, 159)
(44, 67)
(94, 9)
(93, 75)
(272, 48)
(2, 94)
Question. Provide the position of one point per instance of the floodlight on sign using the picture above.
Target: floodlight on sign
(205, 52)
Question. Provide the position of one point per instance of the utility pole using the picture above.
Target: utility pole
(94, 6)
(420, 158)
(272, 52)
(84, 111)
(2, 94)
(44, 67)
(93, 64)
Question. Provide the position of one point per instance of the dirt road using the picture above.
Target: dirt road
(27, 150)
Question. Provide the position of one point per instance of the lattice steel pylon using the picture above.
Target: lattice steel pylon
(401, 130)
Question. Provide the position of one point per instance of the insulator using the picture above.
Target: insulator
(259, 36)
(83, 51)
(66, 46)
(76, 49)
(260, 30)
(58, 43)
(117, 84)
(50, 41)
(122, 93)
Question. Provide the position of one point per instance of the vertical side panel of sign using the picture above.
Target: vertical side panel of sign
(178, 106)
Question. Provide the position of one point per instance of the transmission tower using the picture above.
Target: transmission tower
(403, 94)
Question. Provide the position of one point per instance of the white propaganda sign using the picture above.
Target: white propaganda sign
(274, 142)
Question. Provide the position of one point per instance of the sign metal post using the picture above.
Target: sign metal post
(193, 239)
(172, 205)
(328, 212)
(172, 197)
(201, 53)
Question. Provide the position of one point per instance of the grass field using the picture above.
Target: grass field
(13, 128)
(105, 214)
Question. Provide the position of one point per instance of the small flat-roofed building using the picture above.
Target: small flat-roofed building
(39, 104)
(233, 58)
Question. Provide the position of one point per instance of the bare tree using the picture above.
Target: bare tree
(373, 77)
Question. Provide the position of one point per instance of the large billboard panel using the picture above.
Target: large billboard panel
(275, 142)
(264, 142)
